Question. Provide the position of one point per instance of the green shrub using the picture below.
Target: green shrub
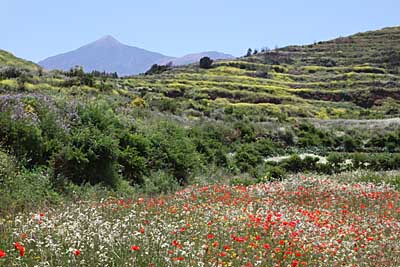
(133, 156)
(173, 151)
(205, 62)
(293, 164)
(210, 142)
(25, 189)
(266, 147)
(23, 138)
(246, 131)
(99, 115)
(309, 136)
(247, 157)
(159, 182)
(336, 161)
(309, 164)
(90, 156)
(274, 173)
(351, 144)
(287, 136)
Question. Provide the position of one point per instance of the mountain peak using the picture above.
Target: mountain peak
(110, 55)
(107, 40)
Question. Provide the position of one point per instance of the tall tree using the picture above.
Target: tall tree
(249, 52)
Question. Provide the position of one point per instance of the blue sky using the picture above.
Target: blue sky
(36, 29)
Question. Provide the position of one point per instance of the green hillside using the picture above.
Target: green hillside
(349, 77)
(9, 60)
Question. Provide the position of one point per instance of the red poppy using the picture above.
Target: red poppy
(177, 244)
(267, 246)
(17, 245)
(21, 248)
(240, 239)
(77, 252)
(135, 248)
(210, 236)
(2, 254)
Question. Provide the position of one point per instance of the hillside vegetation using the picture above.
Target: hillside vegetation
(9, 60)
(349, 77)
(175, 126)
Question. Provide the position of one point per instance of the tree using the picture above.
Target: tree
(255, 52)
(157, 69)
(249, 52)
(205, 62)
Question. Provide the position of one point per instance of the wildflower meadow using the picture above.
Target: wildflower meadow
(301, 221)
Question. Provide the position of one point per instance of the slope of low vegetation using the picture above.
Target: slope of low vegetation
(349, 77)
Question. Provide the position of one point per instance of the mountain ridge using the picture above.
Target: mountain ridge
(110, 55)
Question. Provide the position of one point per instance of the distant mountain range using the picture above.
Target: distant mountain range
(110, 55)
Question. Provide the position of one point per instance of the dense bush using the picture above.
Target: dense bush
(246, 131)
(372, 161)
(296, 164)
(351, 143)
(310, 136)
(389, 141)
(274, 173)
(205, 62)
(133, 156)
(172, 150)
(247, 157)
(90, 156)
(23, 138)
(210, 143)
(159, 182)
(266, 147)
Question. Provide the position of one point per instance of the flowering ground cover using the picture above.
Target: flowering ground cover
(302, 221)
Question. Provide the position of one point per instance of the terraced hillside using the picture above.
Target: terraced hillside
(349, 77)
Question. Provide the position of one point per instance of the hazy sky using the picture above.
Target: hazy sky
(36, 29)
